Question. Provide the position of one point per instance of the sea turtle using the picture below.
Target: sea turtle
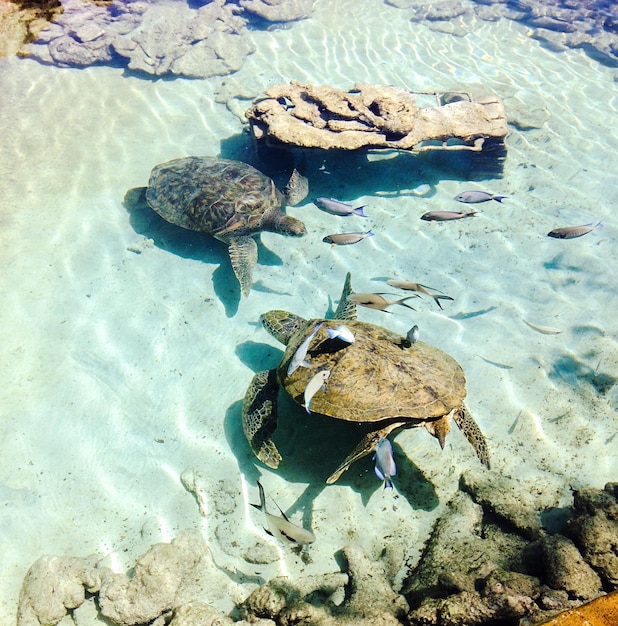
(228, 199)
(380, 379)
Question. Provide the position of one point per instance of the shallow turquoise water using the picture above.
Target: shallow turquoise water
(121, 370)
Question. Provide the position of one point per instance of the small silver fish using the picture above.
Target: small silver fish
(385, 463)
(409, 286)
(334, 207)
(280, 527)
(413, 334)
(442, 216)
(345, 239)
(474, 196)
(378, 301)
(299, 356)
(314, 385)
(570, 232)
(341, 332)
(544, 330)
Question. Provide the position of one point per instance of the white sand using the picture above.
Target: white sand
(121, 370)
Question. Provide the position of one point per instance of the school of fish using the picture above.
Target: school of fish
(279, 526)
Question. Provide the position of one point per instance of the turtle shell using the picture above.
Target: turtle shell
(212, 195)
(378, 377)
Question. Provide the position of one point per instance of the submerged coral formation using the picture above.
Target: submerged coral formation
(158, 38)
(484, 563)
(590, 24)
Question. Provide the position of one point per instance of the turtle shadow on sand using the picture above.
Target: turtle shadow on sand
(193, 245)
(313, 445)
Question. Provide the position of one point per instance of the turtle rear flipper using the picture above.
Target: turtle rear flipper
(259, 416)
(243, 253)
(346, 310)
(297, 188)
(473, 434)
(365, 446)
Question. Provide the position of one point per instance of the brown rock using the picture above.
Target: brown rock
(566, 569)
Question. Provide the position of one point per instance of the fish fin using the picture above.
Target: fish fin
(359, 211)
(285, 517)
(262, 506)
(430, 288)
(257, 506)
(499, 198)
(268, 532)
(288, 537)
(378, 473)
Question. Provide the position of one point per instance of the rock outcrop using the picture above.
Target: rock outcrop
(373, 116)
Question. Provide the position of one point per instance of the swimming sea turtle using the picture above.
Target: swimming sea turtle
(230, 200)
(380, 379)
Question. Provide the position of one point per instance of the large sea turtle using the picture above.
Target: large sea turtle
(380, 379)
(228, 199)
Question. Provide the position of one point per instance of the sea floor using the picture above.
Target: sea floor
(127, 350)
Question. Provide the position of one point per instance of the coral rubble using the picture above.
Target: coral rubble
(485, 562)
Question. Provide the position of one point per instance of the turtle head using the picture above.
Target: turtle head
(287, 225)
(282, 324)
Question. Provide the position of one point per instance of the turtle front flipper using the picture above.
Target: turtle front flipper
(259, 416)
(243, 253)
(365, 446)
(346, 310)
(473, 434)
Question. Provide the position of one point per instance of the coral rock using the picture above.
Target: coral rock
(199, 614)
(52, 586)
(279, 10)
(594, 529)
(566, 569)
(156, 580)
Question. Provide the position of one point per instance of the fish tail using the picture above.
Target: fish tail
(388, 483)
(331, 333)
(499, 198)
(359, 211)
(437, 299)
(403, 302)
(369, 233)
(471, 214)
